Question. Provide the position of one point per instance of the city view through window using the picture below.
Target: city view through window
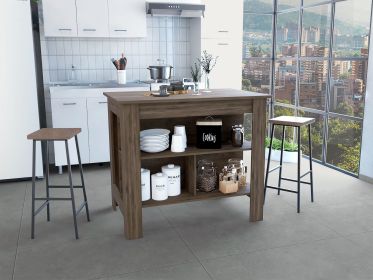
(312, 57)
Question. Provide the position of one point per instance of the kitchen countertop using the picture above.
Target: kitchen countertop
(86, 85)
(141, 97)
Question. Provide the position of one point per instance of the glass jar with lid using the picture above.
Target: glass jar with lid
(206, 176)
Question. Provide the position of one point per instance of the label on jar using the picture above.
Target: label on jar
(209, 137)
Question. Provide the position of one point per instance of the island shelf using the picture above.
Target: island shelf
(129, 113)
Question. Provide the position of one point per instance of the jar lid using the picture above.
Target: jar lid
(170, 166)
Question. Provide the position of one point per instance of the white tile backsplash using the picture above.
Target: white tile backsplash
(167, 39)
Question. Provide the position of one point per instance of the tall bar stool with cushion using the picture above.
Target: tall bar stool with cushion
(57, 134)
(297, 122)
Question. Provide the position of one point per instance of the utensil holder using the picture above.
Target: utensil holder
(122, 76)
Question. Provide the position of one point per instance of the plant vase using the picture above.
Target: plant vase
(288, 157)
(207, 82)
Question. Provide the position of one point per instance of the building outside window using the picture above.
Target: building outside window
(312, 57)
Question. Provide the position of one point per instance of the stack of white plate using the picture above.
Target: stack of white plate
(154, 140)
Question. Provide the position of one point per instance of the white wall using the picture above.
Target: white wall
(366, 161)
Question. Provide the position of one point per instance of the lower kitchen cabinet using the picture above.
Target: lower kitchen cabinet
(71, 112)
(84, 108)
(98, 129)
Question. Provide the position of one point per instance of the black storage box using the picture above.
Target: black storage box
(209, 133)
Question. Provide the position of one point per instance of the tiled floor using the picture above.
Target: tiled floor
(330, 239)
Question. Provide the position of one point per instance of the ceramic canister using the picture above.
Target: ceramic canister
(145, 184)
(159, 186)
(173, 176)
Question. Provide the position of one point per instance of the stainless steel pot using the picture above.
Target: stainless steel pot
(160, 72)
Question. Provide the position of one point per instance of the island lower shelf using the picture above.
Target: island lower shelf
(188, 197)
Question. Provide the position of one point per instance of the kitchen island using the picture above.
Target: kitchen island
(130, 112)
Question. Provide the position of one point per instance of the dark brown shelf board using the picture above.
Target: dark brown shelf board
(188, 197)
(191, 151)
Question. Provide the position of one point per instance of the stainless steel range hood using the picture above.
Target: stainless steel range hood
(171, 9)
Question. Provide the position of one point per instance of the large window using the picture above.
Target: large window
(312, 57)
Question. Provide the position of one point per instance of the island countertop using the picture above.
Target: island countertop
(215, 94)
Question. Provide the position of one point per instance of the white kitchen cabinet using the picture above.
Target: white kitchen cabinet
(59, 18)
(85, 108)
(127, 18)
(98, 129)
(222, 19)
(92, 18)
(70, 112)
(227, 72)
(220, 33)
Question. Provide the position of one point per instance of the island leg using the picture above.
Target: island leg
(257, 160)
(113, 167)
(130, 171)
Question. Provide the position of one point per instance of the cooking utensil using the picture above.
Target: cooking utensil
(115, 62)
(160, 72)
(122, 62)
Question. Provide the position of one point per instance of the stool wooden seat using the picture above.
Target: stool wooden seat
(54, 134)
(57, 134)
(297, 122)
(291, 121)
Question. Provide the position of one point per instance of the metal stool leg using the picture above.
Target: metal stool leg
(298, 190)
(281, 158)
(47, 178)
(310, 159)
(82, 178)
(33, 189)
(268, 161)
(71, 188)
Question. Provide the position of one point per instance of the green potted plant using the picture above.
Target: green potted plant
(290, 150)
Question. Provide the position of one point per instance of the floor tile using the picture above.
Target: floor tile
(234, 233)
(186, 271)
(326, 259)
(103, 256)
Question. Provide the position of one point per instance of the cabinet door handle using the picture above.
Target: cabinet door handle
(223, 44)
(89, 29)
(102, 102)
(223, 31)
(120, 30)
(64, 29)
(69, 104)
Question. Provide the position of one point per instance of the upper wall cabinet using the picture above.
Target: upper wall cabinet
(222, 19)
(127, 18)
(59, 18)
(92, 18)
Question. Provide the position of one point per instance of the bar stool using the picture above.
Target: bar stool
(56, 134)
(296, 122)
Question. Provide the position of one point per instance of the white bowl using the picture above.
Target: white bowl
(153, 150)
(158, 132)
(146, 140)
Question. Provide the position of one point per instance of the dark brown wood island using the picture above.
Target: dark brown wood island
(130, 112)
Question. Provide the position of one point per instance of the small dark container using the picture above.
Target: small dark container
(209, 133)
(237, 135)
